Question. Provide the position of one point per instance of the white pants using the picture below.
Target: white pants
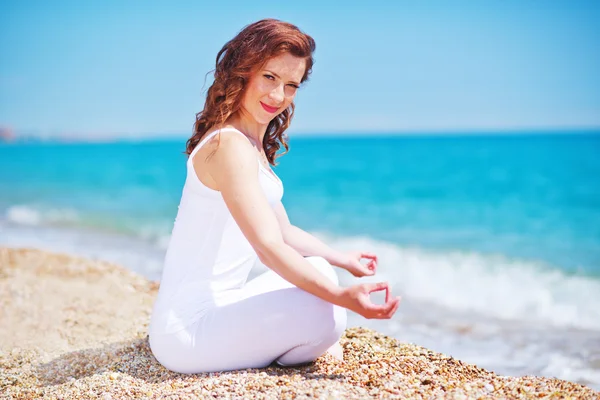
(270, 320)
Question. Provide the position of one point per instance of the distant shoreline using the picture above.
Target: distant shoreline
(441, 134)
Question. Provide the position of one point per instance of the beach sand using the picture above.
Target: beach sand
(74, 328)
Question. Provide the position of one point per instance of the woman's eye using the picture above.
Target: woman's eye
(290, 89)
(271, 77)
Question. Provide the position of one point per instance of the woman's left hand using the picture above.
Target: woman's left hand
(353, 265)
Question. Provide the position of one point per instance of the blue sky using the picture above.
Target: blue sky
(105, 68)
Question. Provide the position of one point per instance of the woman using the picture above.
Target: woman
(207, 317)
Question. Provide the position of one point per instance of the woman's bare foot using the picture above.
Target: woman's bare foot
(336, 351)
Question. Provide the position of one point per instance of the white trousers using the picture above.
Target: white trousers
(269, 320)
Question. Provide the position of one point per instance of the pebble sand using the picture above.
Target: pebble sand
(72, 328)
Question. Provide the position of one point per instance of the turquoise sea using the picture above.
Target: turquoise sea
(492, 240)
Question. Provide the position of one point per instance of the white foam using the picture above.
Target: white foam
(155, 233)
(572, 369)
(137, 255)
(31, 216)
(491, 285)
(23, 215)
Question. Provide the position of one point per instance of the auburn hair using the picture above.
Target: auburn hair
(241, 57)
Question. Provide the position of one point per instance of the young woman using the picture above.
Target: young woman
(207, 317)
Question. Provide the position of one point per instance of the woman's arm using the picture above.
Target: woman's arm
(233, 166)
(308, 245)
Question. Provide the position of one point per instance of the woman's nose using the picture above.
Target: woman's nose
(277, 94)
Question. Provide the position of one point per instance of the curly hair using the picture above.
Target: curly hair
(242, 56)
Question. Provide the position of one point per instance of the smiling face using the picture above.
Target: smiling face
(272, 88)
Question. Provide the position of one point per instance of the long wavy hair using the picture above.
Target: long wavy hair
(241, 57)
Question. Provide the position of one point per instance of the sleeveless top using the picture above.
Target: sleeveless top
(208, 255)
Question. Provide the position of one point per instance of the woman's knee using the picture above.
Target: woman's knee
(323, 265)
(329, 320)
(334, 325)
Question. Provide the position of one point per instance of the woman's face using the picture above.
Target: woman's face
(273, 87)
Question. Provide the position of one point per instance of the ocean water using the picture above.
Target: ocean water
(493, 241)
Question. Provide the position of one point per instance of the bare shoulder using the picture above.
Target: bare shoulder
(227, 157)
(222, 144)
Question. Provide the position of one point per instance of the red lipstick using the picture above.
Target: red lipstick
(269, 109)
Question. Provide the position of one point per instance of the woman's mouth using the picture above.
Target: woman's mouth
(269, 109)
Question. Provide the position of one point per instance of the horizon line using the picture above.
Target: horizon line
(153, 136)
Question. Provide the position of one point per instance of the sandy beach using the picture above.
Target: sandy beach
(76, 328)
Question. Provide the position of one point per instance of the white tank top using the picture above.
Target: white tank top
(208, 256)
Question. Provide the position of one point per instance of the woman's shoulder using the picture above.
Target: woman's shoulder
(225, 134)
(227, 145)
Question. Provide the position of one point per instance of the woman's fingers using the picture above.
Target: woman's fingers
(372, 307)
(390, 310)
(394, 308)
(376, 287)
(372, 265)
(371, 310)
(383, 312)
(368, 255)
(380, 311)
(388, 293)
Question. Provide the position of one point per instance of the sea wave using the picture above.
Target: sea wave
(155, 232)
(492, 285)
(32, 216)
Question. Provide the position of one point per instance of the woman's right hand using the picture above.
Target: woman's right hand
(356, 298)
